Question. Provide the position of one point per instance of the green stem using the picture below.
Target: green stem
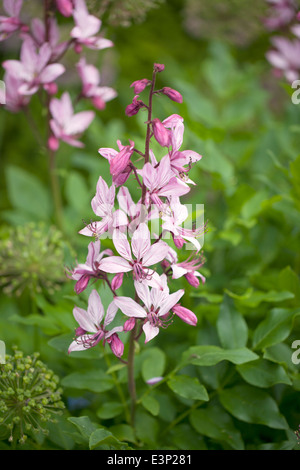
(131, 380)
(119, 390)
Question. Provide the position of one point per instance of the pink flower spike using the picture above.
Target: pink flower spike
(140, 85)
(172, 94)
(161, 134)
(65, 7)
(185, 314)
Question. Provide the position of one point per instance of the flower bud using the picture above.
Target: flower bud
(134, 107)
(129, 324)
(192, 279)
(120, 161)
(116, 345)
(178, 241)
(161, 134)
(159, 67)
(117, 281)
(51, 88)
(65, 7)
(140, 85)
(53, 143)
(185, 314)
(81, 284)
(98, 103)
(172, 94)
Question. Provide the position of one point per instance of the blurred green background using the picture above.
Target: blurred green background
(241, 119)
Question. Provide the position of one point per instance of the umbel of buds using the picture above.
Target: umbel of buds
(29, 396)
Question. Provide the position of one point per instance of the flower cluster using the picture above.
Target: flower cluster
(144, 256)
(39, 66)
(29, 396)
(285, 53)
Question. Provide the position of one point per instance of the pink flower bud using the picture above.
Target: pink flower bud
(51, 88)
(134, 107)
(154, 380)
(159, 67)
(161, 134)
(192, 279)
(129, 324)
(178, 241)
(65, 7)
(117, 281)
(81, 284)
(98, 102)
(79, 331)
(78, 48)
(116, 345)
(53, 143)
(120, 161)
(185, 314)
(172, 94)
(140, 85)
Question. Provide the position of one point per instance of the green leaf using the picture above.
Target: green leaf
(215, 423)
(84, 425)
(27, 193)
(123, 432)
(102, 437)
(231, 326)
(212, 355)
(253, 298)
(154, 364)
(274, 329)
(151, 405)
(110, 410)
(263, 373)
(92, 380)
(188, 387)
(252, 405)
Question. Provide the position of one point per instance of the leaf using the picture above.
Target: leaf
(104, 437)
(254, 298)
(92, 380)
(84, 425)
(212, 355)
(123, 432)
(252, 405)
(274, 329)
(188, 387)
(215, 423)
(27, 193)
(110, 410)
(77, 192)
(263, 373)
(151, 405)
(231, 326)
(154, 364)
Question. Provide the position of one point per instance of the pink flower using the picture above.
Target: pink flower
(188, 268)
(103, 206)
(14, 100)
(66, 125)
(161, 181)
(157, 304)
(145, 255)
(52, 37)
(90, 77)
(33, 69)
(281, 13)
(87, 26)
(92, 328)
(90, 269)
(286, 57)
(65, 7)
(11, 23)
(181, 161)
(159, 67)
(174, 216)
(118, 161)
